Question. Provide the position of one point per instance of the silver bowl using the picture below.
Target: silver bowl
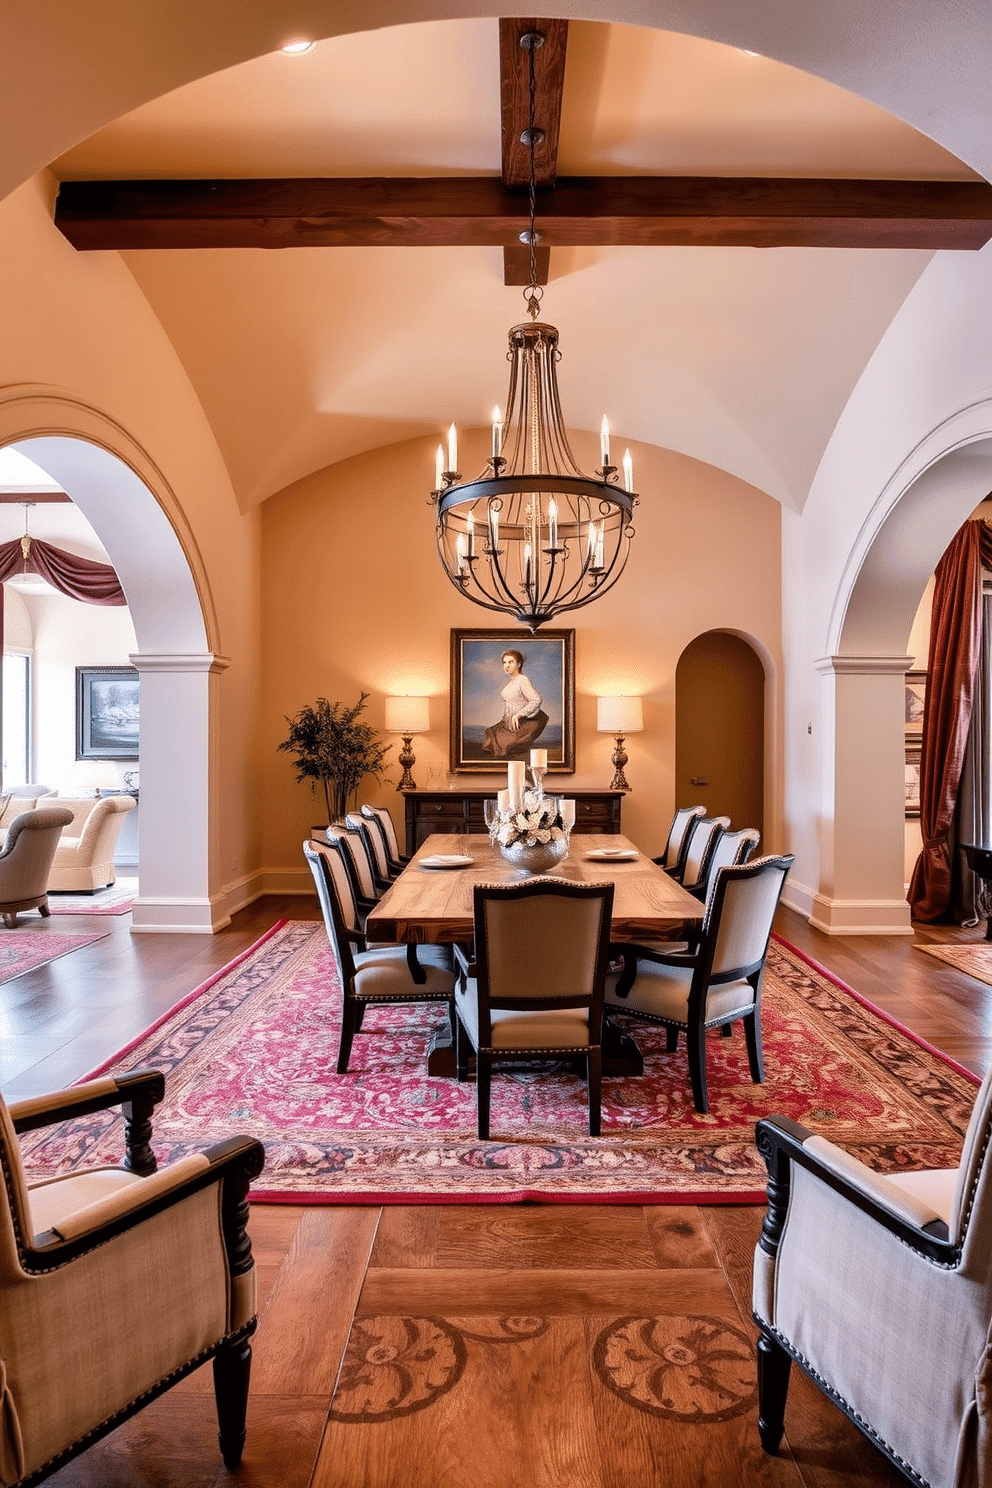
(538, 858)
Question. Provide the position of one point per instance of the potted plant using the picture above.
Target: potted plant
(329, 745)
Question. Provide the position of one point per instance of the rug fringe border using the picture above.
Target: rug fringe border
(183, 1002)
(878, 1012)
(661, 1198)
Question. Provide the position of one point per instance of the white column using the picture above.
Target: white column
(863, 818)
(178, 805)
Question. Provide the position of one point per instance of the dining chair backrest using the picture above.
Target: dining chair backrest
(363, 877)
(704, 834)
(678, 834)
(732, 849)
(542, 942)
(337, 904)
(385, 821)
(369, 844)
(738, 922)
(387, 865)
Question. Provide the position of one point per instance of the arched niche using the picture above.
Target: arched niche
(126, 501)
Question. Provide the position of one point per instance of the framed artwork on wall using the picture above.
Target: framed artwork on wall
(510, 695)
(106, 713)
(916, 691)
(913, 752)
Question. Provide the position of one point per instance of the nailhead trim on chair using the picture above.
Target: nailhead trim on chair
(844, 1405)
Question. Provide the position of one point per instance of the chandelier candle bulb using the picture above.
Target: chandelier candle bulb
(604, 443)
(493, 527)
(552, 523)
(439, 468)
(628, 471)
(497, 431)
(526, 563)
(460, 545)
(470, 524)
(452, 449)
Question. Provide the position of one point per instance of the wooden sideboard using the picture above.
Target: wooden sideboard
(460, 810)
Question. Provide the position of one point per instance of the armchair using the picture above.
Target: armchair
(678, 838)
(26, 860)
(879, 1286)
(115, 1283)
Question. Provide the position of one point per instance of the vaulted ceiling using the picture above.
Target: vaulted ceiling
(740, 356)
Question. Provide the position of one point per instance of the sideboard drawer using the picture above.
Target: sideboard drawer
(596, 816)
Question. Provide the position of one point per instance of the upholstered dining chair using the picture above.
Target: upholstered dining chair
(26, 860)
(371, 973)
(375, 855)
(716, 983)
(704, 834)
(879, 1285)
(357, 866)
(534, 987)
(384, 822)
(678, 838)
(116, 1282)
(729, 851)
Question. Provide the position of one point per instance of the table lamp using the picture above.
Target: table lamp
(619, 716)
(407, 716)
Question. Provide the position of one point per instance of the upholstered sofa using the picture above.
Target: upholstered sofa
(84, 858)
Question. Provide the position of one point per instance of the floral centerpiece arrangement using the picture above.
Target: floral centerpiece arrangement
(534, 823)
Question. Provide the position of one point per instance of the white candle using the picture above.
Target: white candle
(599, 547)
(503, 801)
(539, 757)
(591, 543)
(452, 449)
(470, 524)
(439, 468)
(497, 431)
(493, 527)
(526, 563)
(628, 471)
(604, 442)
(460, 550)
(552, 523)
(515, 772)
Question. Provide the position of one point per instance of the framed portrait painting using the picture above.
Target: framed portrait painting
(510, 695)
(913, 752)
(106, 713)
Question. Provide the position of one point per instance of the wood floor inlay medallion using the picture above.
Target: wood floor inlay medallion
(692, 1369)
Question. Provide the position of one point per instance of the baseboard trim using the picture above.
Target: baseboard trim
(861, 916)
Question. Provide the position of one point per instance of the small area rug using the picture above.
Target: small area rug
(117, 900)
(254, 1051)
(23, 950)
(974, 958)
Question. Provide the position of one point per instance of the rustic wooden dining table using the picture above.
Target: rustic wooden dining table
(435, 906)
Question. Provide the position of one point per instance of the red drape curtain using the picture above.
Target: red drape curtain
(79, 578)
(955, 639)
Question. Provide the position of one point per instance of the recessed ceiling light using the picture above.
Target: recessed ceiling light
(296, 48)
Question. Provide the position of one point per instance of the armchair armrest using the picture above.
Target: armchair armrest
(234, 1162)
(137, 1093)
(465, 965)
(630, 952)
(783, 1142)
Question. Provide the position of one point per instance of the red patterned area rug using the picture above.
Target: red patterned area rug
(255, 1049)
(23, 950)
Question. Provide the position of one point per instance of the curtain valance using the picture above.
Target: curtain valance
(79, 578)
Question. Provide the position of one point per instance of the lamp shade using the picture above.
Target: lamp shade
(407, 715)
(619, 715)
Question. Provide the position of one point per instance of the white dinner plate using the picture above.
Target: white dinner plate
(613, 854)
(446, 860)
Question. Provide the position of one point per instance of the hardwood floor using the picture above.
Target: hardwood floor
(473, 1345)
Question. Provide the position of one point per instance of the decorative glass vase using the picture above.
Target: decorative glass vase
(538, 857)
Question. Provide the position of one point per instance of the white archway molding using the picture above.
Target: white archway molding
(926, 64)
(98, 465)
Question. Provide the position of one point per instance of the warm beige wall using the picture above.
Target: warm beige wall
(353, 599)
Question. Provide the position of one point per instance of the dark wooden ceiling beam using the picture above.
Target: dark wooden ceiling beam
(33, 498)
(549, 85)
(586, 211)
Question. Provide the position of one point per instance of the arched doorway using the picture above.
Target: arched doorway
(720, 728)
(175, 660)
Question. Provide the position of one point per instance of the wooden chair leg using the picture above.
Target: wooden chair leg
(232, 1371)
(44, 910)
(350, 1022)
(752, 1036)
(727, 1030)
(594, 1077)
(483, 1087)
(462, 1046)
(671, 1039)
(695, 1039)
(774, 1365)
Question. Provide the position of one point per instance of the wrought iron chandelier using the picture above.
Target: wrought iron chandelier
(533, 536)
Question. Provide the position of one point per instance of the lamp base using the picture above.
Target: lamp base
(619, 760)
(407, 760)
